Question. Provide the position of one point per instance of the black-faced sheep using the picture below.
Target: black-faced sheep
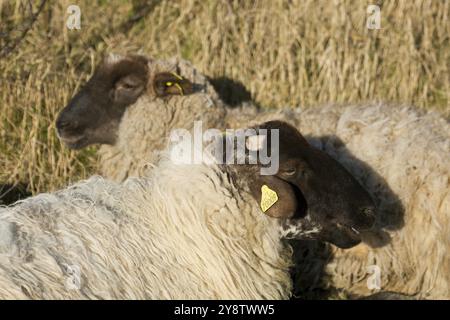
(134, 94)
(408, 150)
(185, 231)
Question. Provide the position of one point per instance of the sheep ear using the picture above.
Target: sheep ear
(169, 83)
(275, 197)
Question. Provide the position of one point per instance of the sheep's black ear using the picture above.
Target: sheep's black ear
(275, 197)
(169, 83)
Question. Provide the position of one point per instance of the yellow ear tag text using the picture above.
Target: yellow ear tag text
(268, 198)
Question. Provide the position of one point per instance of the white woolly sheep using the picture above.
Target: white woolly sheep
(185, 231)
(408, 150)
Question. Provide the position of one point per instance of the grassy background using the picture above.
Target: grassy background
(287, 54)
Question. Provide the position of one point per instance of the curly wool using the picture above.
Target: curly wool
(183, 232)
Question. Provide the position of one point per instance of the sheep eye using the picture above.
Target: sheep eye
(127, 86)
(290, 171)
(169, 84)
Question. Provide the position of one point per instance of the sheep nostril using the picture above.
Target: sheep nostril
(369, 216)
(64, 125)
(368, 211)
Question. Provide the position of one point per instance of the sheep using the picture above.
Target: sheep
(144, 106)
(183, 231)
(405, 153)
(140, 96)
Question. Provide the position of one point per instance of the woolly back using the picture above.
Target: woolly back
(207, 238)
(182, 232)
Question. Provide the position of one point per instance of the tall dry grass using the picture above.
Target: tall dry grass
(287, 53)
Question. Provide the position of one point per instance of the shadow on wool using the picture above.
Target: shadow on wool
(311, 257)
(232, 92)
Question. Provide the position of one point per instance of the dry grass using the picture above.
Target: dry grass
(287, 53)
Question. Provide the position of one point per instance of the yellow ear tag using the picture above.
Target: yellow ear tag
(176, 84)
(268, 198)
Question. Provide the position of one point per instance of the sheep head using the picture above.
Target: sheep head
(93, 115)
(317, 198)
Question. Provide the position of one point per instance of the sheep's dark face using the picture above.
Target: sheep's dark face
(320, 199)
(93, 115)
